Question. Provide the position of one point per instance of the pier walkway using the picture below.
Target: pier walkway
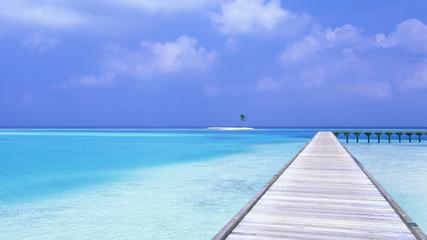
(323, 193)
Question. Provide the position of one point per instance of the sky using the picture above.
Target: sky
(164, 63)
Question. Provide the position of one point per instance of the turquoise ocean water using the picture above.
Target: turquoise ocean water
(401, 168)
(162, 183)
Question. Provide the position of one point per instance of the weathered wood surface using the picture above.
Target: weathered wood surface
(322, 194)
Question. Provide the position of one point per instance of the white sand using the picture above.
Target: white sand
(230, 128)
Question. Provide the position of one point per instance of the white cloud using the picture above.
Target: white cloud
(410, 35)
(39, 42)
(268, 85)
(335, 61)
(253, 16)
(64, 14)
(105, 80)
(378, 90)
(39, 13)
(212, 89)
(298, 51)
(166, 5)
(180, 55)
(313, 77)
(151, 59)
(316, 42)
(342, 58)
(415, 78)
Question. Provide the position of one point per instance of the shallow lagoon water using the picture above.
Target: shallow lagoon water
(162, 183)
(133, 184)
(401, 168)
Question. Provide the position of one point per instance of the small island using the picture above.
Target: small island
(230, 128)
(242, 119)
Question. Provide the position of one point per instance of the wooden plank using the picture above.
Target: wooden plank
(323, 193)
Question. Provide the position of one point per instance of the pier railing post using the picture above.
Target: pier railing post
(389, 136)
(368, 134)
(346, 134)
(419, 134)
(399, 135)
(357, 134)
(409, 134)
(378, 134)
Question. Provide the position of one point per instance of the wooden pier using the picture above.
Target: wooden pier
(323, 193)
(357, 134)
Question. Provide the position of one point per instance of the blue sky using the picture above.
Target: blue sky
(202, 63)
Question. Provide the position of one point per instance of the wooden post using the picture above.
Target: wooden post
(368, 134)
(399, 135)
(410, 136)
(346, 134)
(419, 134)
(378, 134)
(389, 136)
(357, 134)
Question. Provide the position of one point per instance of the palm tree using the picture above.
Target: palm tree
(346, 134)
(357, 134)
(419, 134)
(409, 135)
(368, 134)
(378, 134)
(389, 135)
(242, 118)
(399, 135)
(336, 134)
